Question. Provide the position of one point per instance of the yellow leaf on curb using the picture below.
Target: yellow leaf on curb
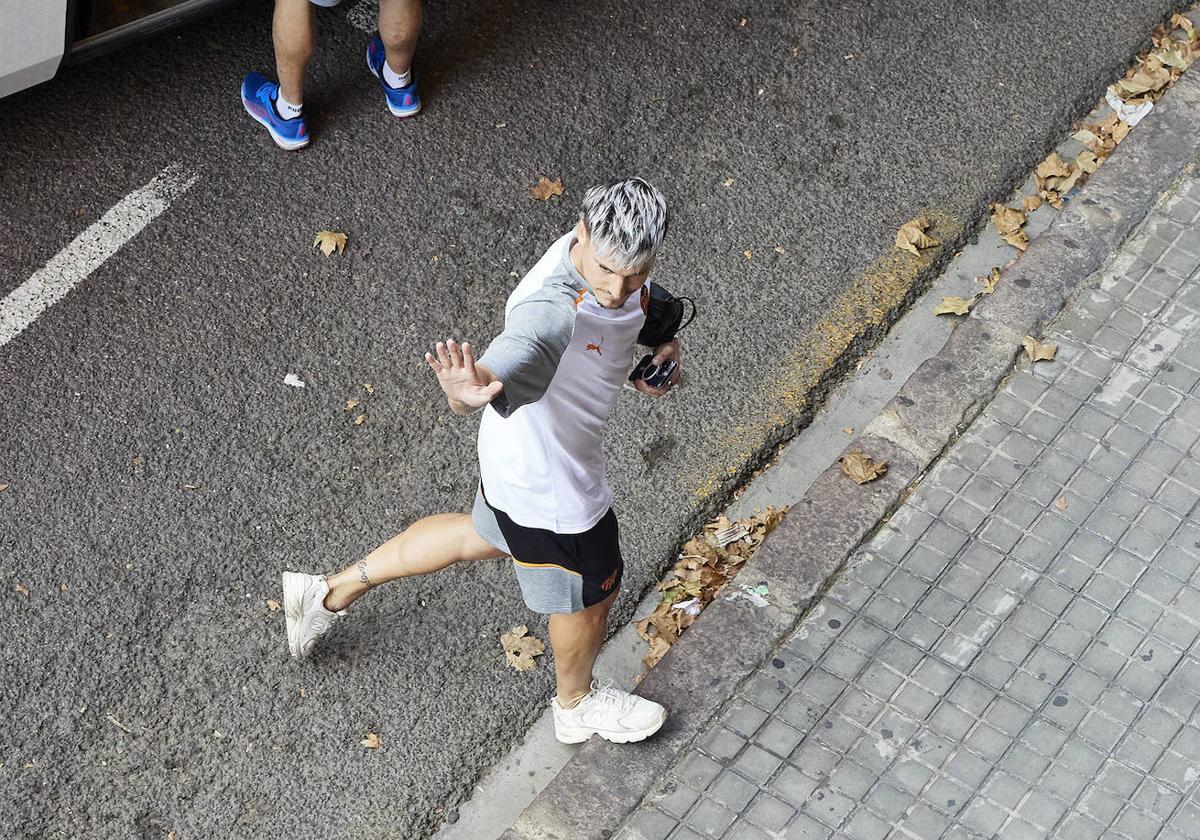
(1061, 503)
(1007, 219)
(350, 404)
(954, 305)
(360, 419)
(520, 649)
(912, 237)
(329, 241)
(1031, 203)
(1037, 351)
(371, 741)
(989, 282)
(1087, 161)
(860, 468)
(370, 388)
(546, 189)
(272, 604)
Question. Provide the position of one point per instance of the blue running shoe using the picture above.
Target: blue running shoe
(258, 98)
(402, 102)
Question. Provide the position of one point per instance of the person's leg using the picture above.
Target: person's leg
(428, 545)
(399, 26)
(295, 33)
(576, 639)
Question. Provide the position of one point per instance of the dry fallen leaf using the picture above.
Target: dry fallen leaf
(350, 404)
(1031, 203)
(546, 188)
(989, 282)
(912, 237)
(1061, 503)
(1007, 219)
(954, 305)
(22, 590)
(1008, 222)
(729, 182)
(849, 430)
(360, 419)
(3, 487)
(370, 388)
(1087, 161)
(272, 604)
(371, 741)
(779, 249)
(329, 241)
(748, 254)
(1039, 352)
(704, 567)
(520, 649)
(859, 466)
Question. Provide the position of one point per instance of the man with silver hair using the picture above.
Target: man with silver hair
(546, 385)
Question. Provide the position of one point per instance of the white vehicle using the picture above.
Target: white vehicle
(37, 36)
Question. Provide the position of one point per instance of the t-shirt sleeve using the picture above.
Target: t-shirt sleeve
(526, 354)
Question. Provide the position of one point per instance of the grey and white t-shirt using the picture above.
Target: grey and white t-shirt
(563, 359)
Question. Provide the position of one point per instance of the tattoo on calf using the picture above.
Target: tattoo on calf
(362, 573)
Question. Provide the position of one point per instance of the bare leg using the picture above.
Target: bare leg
(427, 545)
(576, 639)
(295, 29)
(399, 26)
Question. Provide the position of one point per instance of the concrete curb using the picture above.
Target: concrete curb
(604, 783)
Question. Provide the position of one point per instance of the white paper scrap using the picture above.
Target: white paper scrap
(1131, 114)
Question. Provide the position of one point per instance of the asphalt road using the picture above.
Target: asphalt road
(162, 474)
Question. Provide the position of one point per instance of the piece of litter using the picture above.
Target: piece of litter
(727, 535)
(747, 593)
(1128, 112)
(691, 606)
(762, 589)
(293, 380)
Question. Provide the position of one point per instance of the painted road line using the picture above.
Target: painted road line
(89, 250)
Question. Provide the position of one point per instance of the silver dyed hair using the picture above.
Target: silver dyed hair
(626, 221)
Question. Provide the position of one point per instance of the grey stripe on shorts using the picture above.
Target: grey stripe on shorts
(485, 523)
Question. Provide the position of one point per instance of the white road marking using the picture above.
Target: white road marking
(89, 250)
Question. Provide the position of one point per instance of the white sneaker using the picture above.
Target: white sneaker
(614, 715)
(304, 609)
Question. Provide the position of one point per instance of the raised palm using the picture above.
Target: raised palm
(467, 386)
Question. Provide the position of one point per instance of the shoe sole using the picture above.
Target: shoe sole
(578, 736)
(401, 113)
(293, 597)
(281, 142)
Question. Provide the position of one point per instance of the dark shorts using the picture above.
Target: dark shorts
(558, 573)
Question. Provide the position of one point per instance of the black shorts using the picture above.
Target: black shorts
(558, 573)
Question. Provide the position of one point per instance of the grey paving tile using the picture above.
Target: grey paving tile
(992, 665)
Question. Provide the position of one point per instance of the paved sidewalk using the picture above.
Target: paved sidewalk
(996, 662)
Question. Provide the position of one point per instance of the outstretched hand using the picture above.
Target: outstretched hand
(467, 385)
